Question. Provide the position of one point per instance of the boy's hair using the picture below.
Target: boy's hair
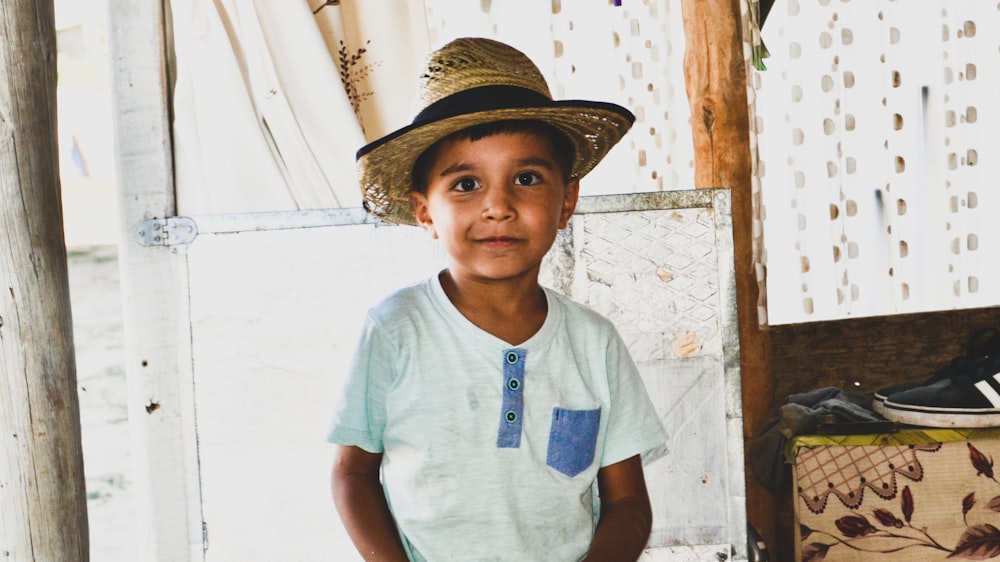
(560, 144)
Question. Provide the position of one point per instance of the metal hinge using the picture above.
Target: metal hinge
(166, 232)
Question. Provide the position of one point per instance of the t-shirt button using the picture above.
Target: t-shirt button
(511, 357)
(513, 384)
(510, 416)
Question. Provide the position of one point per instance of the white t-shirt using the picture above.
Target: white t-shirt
(491, 451)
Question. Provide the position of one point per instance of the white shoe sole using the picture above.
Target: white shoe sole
(878, 405)
(941, 417)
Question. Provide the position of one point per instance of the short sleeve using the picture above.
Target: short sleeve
(633, 427)
(359, 416)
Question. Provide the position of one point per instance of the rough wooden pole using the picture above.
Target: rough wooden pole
(43, 502)
(715, 75)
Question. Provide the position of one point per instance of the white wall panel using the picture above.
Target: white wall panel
(275, 315)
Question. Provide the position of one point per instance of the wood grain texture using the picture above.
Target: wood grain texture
(872, 352)
(716, 83)
(43, 504)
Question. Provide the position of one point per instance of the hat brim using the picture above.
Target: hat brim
(385, 166)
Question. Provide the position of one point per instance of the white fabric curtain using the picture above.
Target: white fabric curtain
(875, 128)
(273, 99)
(378, 57)
(261, 119)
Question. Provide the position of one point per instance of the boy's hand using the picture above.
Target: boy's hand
(362, 506)
(626, 517)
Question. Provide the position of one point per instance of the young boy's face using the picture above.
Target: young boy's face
(496, 204)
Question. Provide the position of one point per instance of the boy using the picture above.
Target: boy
(481, 408)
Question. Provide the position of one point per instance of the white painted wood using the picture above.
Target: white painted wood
(154, 293)
(732, 376)
(282, 220)
(700, 553)
(275, 315)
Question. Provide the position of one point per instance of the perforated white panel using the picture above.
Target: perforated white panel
(631, 54)
(876, 123)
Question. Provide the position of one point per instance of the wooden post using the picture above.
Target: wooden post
(158, 363)
(715, 75)
(43, 500)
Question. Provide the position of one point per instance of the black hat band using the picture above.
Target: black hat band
(483, 98)
(473, 100)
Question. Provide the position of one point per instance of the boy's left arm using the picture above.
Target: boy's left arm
(626, 516)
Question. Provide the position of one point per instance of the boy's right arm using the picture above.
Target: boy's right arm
(362, 506)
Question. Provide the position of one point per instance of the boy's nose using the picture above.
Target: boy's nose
(498, 205)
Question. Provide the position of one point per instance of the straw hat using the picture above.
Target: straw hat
(472, 81)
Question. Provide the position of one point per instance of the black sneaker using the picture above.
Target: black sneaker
(956, 366)
(984, 343)
(967, 399)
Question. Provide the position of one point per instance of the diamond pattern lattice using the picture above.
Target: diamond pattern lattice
(659, 266)
(655, 275)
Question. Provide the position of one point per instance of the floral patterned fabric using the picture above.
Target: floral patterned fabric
(900, 497)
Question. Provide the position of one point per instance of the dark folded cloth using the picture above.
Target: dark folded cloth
(799, 414)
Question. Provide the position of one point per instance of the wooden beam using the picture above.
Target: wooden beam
(158, 364)
(716, 81)
(43, 499)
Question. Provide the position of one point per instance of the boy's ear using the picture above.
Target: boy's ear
(570, 198)
(418, 202)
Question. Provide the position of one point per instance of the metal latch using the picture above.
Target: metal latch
(166, 232)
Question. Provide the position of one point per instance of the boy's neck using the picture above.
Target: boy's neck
(512, 311)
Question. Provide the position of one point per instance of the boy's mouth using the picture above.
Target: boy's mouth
(498, 241)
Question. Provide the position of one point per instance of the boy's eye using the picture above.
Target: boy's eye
(527, 178)
(466, 184)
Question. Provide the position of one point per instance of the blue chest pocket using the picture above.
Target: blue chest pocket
(573, 439)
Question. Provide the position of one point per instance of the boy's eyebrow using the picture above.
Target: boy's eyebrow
(531, 161)
(456, 169)
(540, 162)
